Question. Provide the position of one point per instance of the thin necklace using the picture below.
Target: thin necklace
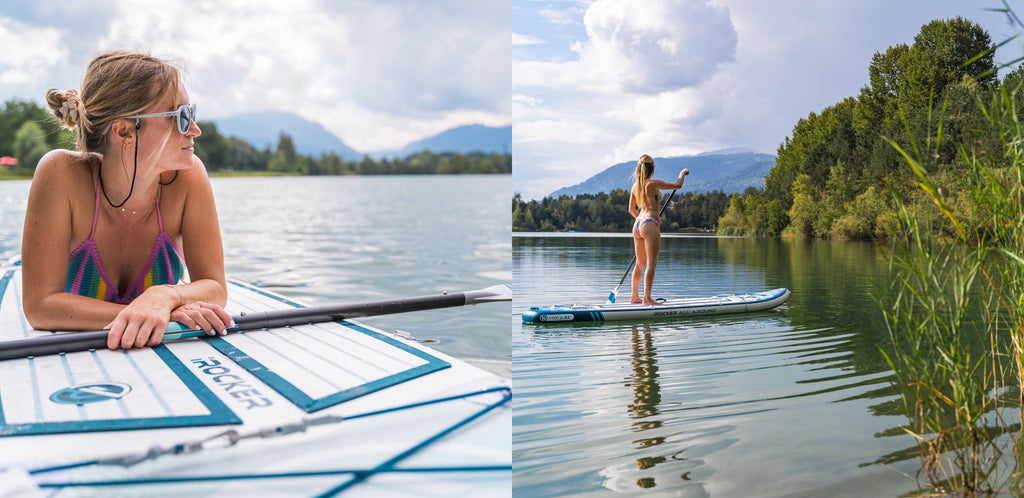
(135, 171)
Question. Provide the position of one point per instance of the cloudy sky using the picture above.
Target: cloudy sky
(598, 82)
(377, 73)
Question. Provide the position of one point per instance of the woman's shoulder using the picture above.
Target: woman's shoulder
(188, 181)
(196, 176)
(62, 157)
(61, 166)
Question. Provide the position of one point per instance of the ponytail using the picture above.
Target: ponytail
(644, 170)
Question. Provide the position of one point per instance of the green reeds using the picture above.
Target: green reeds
(955, 310)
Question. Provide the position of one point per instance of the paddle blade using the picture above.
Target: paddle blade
(501, 292)
(611, 297)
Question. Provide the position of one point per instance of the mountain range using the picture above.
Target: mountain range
(728, 170)
(263, 129)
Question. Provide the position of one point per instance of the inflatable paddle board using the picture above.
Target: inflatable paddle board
(670, 308)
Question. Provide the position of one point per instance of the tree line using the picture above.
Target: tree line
(606, 212)
(27, 132)
(840, 172)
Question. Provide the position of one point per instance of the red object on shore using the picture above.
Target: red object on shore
(8, 161)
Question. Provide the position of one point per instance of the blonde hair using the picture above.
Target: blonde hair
(116, 84)
(644, 171)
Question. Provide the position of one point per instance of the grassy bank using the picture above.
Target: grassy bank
(7, 175)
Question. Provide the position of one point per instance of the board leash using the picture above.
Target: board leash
(232, 437)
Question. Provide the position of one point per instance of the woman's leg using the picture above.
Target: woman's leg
(638, 270)
(651, 234)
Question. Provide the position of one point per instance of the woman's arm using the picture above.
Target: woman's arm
(201, 240)
(202, 299)
(663, 185)
(45, 246)
(632, 205)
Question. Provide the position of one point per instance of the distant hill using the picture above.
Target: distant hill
(728, 170)
(263, 129)
(463, 139)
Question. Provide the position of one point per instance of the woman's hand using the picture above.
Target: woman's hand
(683, 173)
(203, 316)
(144, 321)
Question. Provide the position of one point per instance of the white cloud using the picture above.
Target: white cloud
(654, 46)
(569, 15)
(638, 86)
(379, 74)
(520, 40)
(526, 100)
(37, 51)
(566, 131)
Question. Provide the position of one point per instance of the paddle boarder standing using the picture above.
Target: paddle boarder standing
(644, 199)
(104, 224)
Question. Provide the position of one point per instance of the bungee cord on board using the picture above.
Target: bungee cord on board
(232, 437)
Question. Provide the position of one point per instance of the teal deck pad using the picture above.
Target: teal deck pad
(329, 369)
(317, 366)
(105, 391)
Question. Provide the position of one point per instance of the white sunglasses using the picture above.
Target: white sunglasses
(185, 114)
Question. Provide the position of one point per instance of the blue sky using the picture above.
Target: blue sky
(598, 82)
(377, 73)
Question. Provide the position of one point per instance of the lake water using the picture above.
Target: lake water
(795, 401)
(324, 240)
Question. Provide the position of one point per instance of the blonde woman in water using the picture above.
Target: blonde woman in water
(644, 204)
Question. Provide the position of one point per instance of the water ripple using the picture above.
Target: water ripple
(780, 402)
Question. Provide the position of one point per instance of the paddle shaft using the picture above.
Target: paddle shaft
(623, 279)
(97, 339)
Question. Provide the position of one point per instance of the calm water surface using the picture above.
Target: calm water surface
(794, 401)
(324, 240)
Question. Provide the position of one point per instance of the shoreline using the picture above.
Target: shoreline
(8, 176)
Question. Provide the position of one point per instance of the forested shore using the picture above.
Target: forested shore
(841, 171)
(27, 131)
(602, 212)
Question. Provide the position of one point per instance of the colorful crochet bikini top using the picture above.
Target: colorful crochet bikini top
(86, 276)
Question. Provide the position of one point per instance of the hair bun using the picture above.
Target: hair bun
(67, 106)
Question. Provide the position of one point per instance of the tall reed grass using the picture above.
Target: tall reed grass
(955, 310)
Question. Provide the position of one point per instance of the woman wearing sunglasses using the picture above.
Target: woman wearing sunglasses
(111, 227)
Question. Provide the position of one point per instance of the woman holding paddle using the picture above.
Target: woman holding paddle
(644, 200)
(104, 224)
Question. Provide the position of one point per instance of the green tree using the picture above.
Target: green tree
(877, 106)
(922, 96)
(242, 156)
(522, 219)
(805, 210)
(17, 112)
(733, 222)
(29, 146)
(942, 50)
(212, 147)
(862, 218)
(285, 159)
